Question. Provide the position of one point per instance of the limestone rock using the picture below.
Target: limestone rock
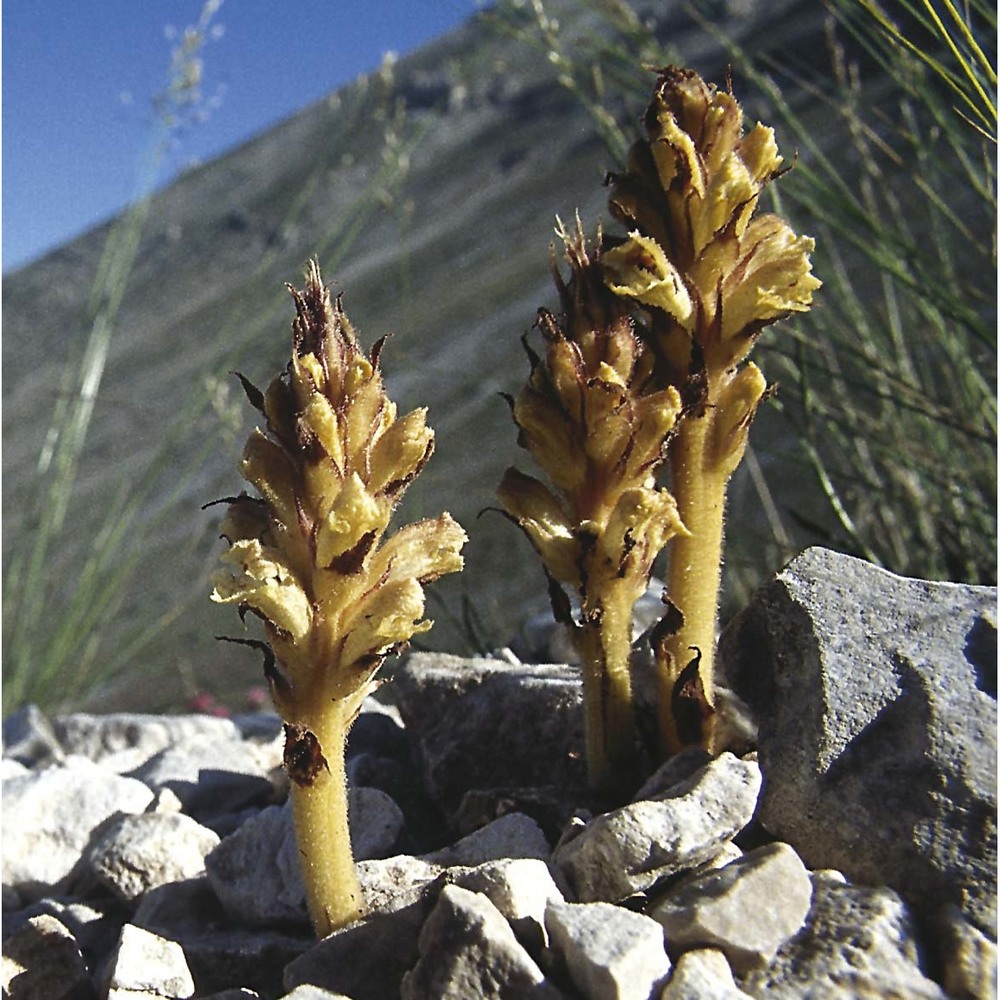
(124, 741)
(628, 850)
(610, 953)
(968, 956)
(388, 884)
(146, 964)
(876, 697)
(512, 836)
(210, 776)
(857, 942)
(220, 952)
(747, 909)
(255, 870)
(50, 815)
(367, 959)
(308, 992)
(521, 889)
(469, 952)
(485, 724)
(28, 737)
(95, 931)
(702, 974)
(137, 853)
(42, 961)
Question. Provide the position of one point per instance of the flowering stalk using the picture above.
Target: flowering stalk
(597, 425)
(712, 276)
(307, 557)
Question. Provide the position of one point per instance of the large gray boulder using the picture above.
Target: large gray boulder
(485, 724)
(876, 698)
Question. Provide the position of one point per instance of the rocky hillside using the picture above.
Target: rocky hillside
(429, 194)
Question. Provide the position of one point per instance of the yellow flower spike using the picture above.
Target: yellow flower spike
(308, 557)
(586, 417)
(739, 273)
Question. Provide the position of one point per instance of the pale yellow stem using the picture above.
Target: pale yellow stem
(695, 571)
(605, 644)
(319, 811)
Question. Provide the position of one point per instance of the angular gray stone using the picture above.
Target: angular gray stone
(42, 961)
(969, 958)
(480, 723)
(367, 959)
(125, 741)
(511, 836)
(221, 953)
(857, 942)
(610, 953)
(137, 853)
(388, 884)
(94, 930)
(314, 993)
(876, 697)
(627, 850)
(50, 815)
(28, 737)
(210, 776)
(747, 909)
(255, 870)
(145, 963)
(702, 974)
(521, 889)
(469, 952)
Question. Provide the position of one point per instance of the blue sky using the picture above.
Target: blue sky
(79, 80)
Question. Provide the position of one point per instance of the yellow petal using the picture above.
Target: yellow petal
(422, 551)
(262, 580)
(735, 407)
(772, 279)
(400, 452)
(320, 419)
(389, 616)
(759, 151)
(642, 522)
(353, 514)
(268, 467)
(640, 269)
(551, 437)
(544, 521)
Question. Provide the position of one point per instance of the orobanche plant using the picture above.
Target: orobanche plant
(308, 557)
(712, 274)
(646, 368)
(596, 422)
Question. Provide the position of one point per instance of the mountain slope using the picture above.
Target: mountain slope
(428, 194)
